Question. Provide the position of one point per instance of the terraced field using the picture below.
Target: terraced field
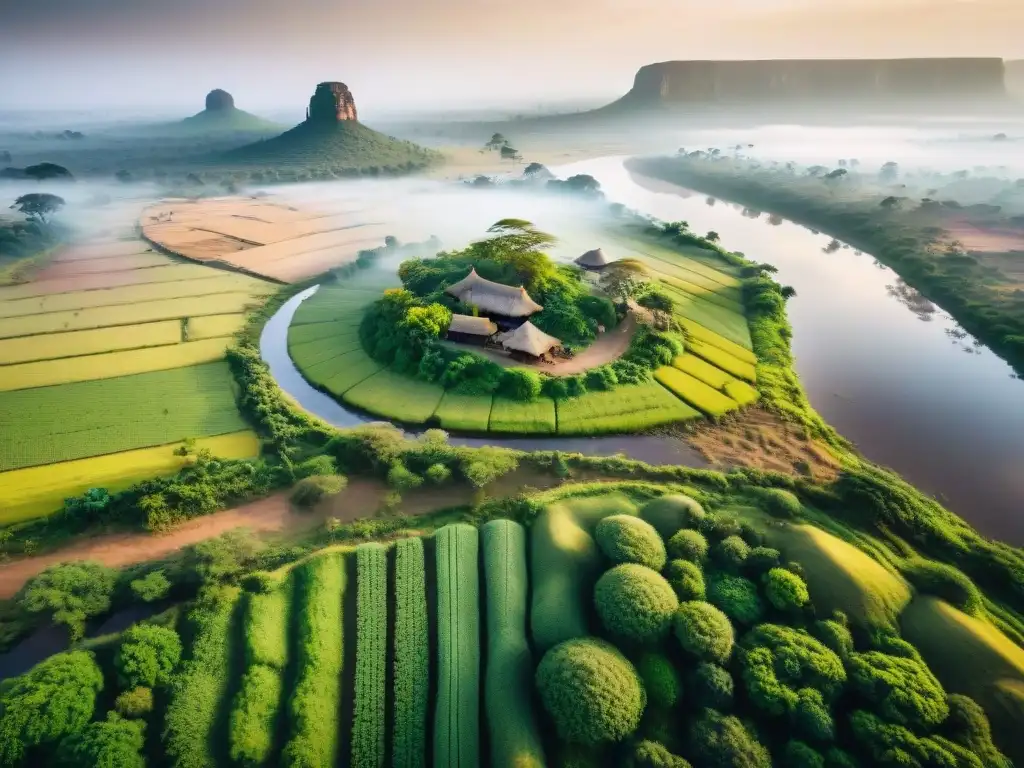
(110, 357)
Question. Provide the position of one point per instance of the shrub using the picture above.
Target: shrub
(652, 754)
(600, 379)
(811, 716)
(555, 387)
(722, 741)
(318, 465)
(838, 758)
(719, 526)
(761, 559)
(737, 597)
(628, 539)
(438, 474)
(136, 703)
(835, 635)
(224, 558)
(945, 582)
(779, 502)
(520, 384)
(712, 686)
(151, 587)
(687, 544)
(731, 553)
(967, 724)
(70, 593)
(111, 742)
(785, 590)
(891, 744)
(599, 309)
(661, 681)
(147, 656)
(902, 688)
(799, 754)
(401, 478)
(686, 579)
(704, 631)
(591, 691)
(670, 513)
(259, 583)
(635, 603)
(55, 698)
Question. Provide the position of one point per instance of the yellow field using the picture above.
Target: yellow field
(129, 314)
(741, 392)
(703, 370)
(110, 365)
(224, 282)
(700, 333)
(26, 349)
(729, 363)
(213, 326)
(172, 272)
(38, 491)
(695, 392)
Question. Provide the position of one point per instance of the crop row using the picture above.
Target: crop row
(51, 346)
(314, 706)
(456, 711)
(412, 656)
(368, 726)
(741, 369)
(627, 408)
(695, 392)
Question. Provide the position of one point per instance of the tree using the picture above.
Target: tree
(71, 592)
(712, 237)
(635, 603)
(785, 590)
(661, 306)
(38, 205)
(722, 741)
(147, 656)
(496, 141)
(889, 172)
(537, 171)
(508, 153)
(704, 631)
(787, 292)
(44, 171)
(151, 587)
(111, 742)
(222, 558)
(628, 539)
(901, 687)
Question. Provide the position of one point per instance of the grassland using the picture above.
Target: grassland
(464, 412)
(628, 408)
(536, 417)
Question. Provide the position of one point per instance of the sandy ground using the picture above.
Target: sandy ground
(986, 239)
(467, 162)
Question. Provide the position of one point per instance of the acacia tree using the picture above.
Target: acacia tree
(38, 205)
(496, 142)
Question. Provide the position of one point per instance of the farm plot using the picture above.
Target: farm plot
(308, 354)
(740, 391)
(728, 323)
(456, 710)
(411, 656)
(695, 392)
(40, 490)
(27, 349)
(625, 409)
(741, 369)
(514, 416)
(466, 412)
(214, 326)
(170, 273)
(100, 266)
(368, 725)
(73, 421)
(700, 333)
(395, 396)
(357, 367)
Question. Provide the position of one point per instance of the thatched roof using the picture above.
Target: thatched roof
(594, 258)
(530, 339)
(493, 297)
(478, 326)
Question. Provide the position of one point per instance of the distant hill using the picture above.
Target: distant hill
(220, 117)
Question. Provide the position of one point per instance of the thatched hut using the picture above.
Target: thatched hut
(529, 340)
(471, 330)
(593, 260)
(494, 299)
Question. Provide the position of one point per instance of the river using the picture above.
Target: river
(891, 372)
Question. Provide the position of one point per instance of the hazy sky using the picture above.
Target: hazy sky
(449, 53)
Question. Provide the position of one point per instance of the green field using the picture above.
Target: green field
(695, 392)
(513, 416)
(394, 396)
(72, 421)
(466, 412)
(627, 408)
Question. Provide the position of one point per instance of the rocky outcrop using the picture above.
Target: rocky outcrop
(332, 103)
(219, 101)
(715, 82)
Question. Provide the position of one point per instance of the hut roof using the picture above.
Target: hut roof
(594, 258)
(493, 297)
(478, 326)
(530, 339)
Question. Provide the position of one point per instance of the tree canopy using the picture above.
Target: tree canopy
(38, 206)
(71, 593)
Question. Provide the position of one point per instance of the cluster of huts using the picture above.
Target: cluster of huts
(504, 314)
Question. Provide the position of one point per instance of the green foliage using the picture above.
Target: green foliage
(686, 579)
(651, 754)
(945, 582)
(762, 559)
(967, 724)
(224, 558)
(56, 698)
(508, 694)
(317, 465)
(599, 309)
(704, 631)
(371, 654)
(401, 478)
(600, 379)
(712, 686)
(660, 679)
(731, 552)
(785, 590)
(780, 503)
(688, 544)
(457, 707)
(114, 742)
(310, 491)
(737, 597)
(438, 474)
(893, 745)
(836, 636)
(591, 691)
(152, 587)
(628, 539)
(147, 656)
(486, 465)
(799, 754)
(411, 656)
(136, 703)
(722, 741)
(254, 715)
(900, 687)
(520, 384)
(70, 593)
(635, 603)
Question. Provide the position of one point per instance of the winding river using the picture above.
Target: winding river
(890, 371)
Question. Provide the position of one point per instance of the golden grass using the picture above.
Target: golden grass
(167, 274)
(113, 264)
(109, 365)
(842, 577)
(703, 370)
(706, 335)
(728, 362)
(695, 392)
(38, 491)
(51, 346)
(741, 392)
(214, 326)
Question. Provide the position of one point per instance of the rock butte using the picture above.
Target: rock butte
(218, 100)
(332, 103)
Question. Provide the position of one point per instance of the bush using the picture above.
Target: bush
(600, 379)
(147, 656)
(151, 587)
(70, 593)
(761, 559)
(686, 579)
(599, 309)
(57, 697)
(591, 691)
(318, 465)
(780, 503)
(111, 742)
(902, 688)
(652, 754)
(704, 631)
(712, 686)
(722, 741)
(688, 544)
(136, 703)
(670, 513)
(731, 552)
(836, 636)
(737, 597)
(520, 384)
(661, 681)
(799, 754)
(401, 478)
(260, 583)
(555, 387)
(310, 491)
(628, 539)
(785, 590)
(224, 558)
(635, 603)
(967, 724)
(945, 582)
(438, 474)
